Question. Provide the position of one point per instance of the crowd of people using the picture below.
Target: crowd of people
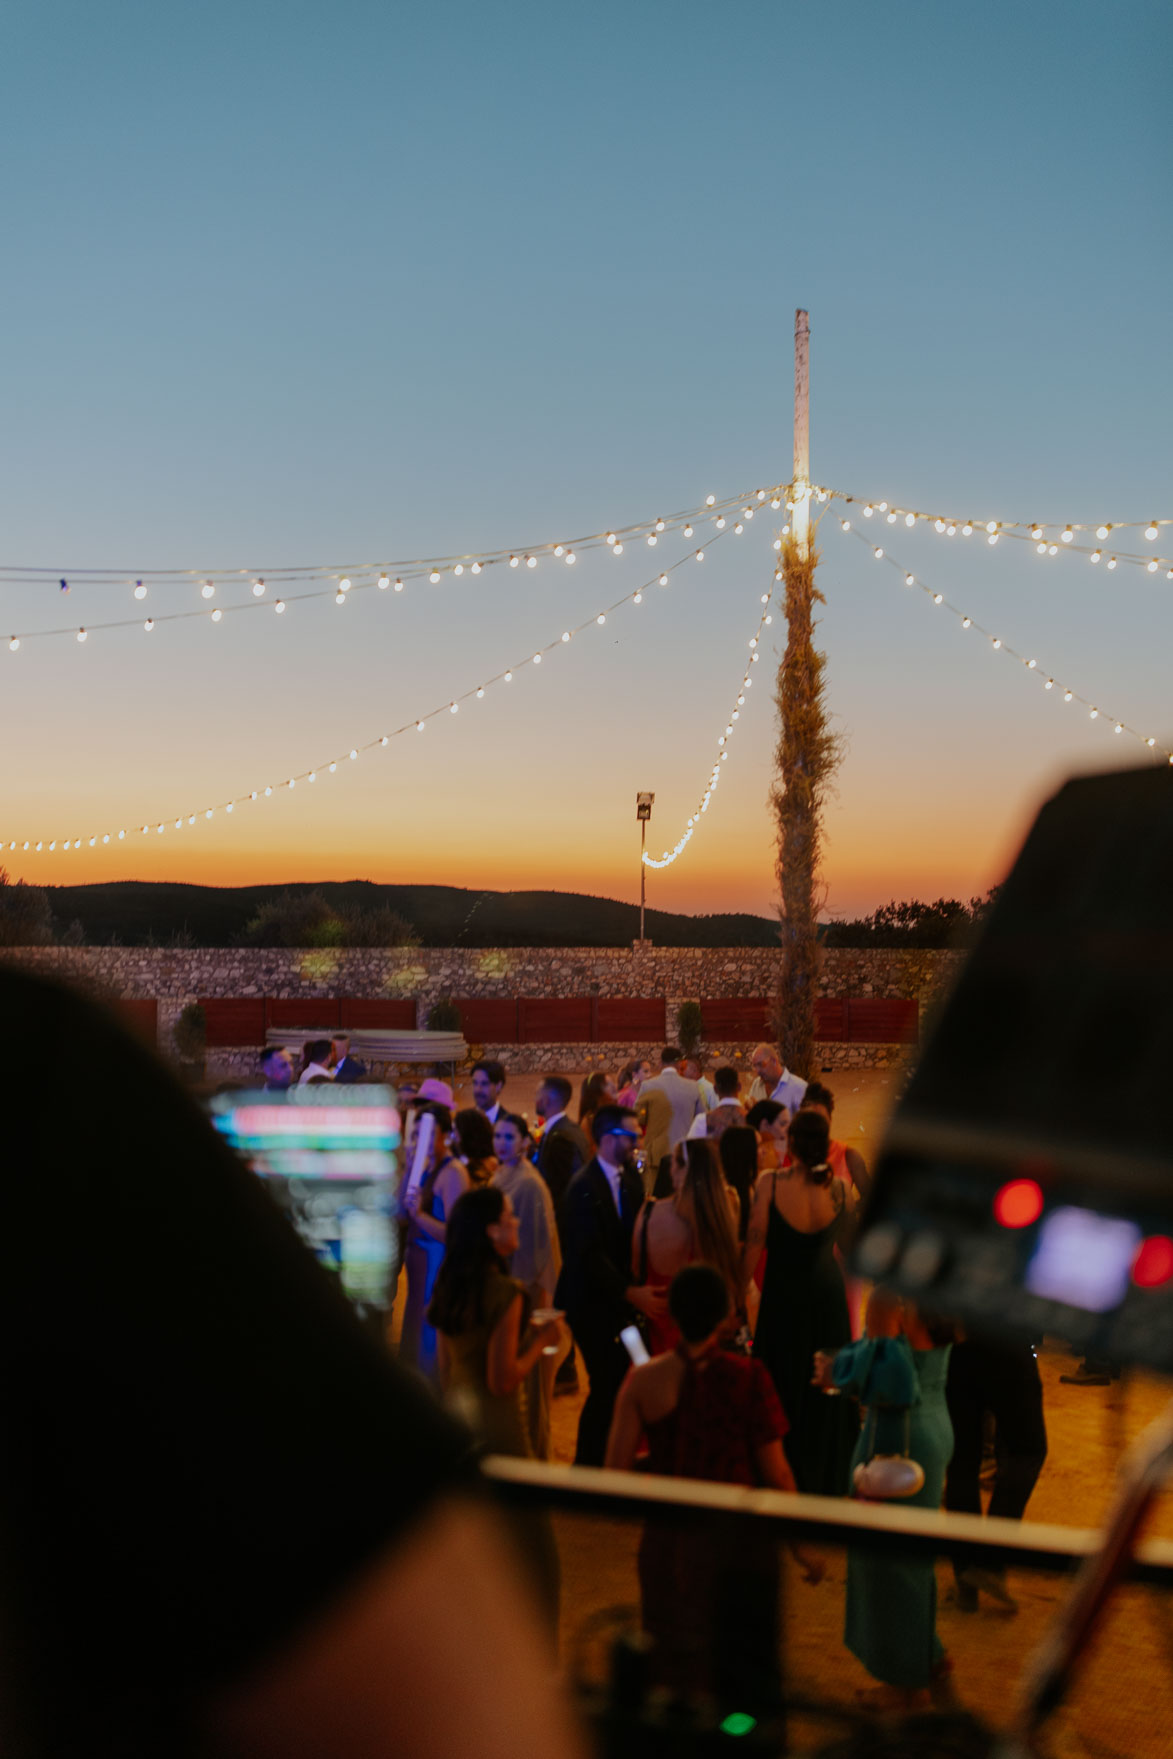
(679, 1245)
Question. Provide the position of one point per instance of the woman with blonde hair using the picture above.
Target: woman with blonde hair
(696, 1225)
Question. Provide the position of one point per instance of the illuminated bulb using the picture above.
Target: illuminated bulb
(531, 561)
(419, 727)
(339, 598)
(1067, 695)
(664, 579)
(617, 549)
(268, 791)
(738, 529)
(509, 677)
(384, 582)
(638, 599)
(993, 538)
(1031, 664)
(709, 499)
(966, 530)
(910, 519)
(991, 525)
(122, 834)
(313, 776)
(399, 586)
(333, 767)
(353, 756)
(1150, 530)
(344, 585)
(1036, 531)
(178, 826)
(159, 828)
(785, 531)
(1119, 727)
(721, 740)
(513, 561)
(600, 619)
(660, 524)
(1041, 549)
(1147, 742)
(454, 708)
(228, 808)
(81, 635)
(571, 557)
(741, 699)
(997, 641)
(753, 641)
(891, 519)
(259, 587)
(938, 525)
(105, 839)
(458, 570)
(1103, 530)
(1049, 685)
(877, 553)
(777, 543)
(480, 693)
(1111, 561)
(966, 622)
(279, 606)
(383, 740)
(845, 525)
(1053, 550)
(938, 598)
(736, 715)
(14, 644)
(1066, 535)
(688, 531)
(217, 614)
(721, 523)
(434, 576)
(559, 549)
(765, 598)
(1096, 554)
(475, 569)
(566, 635)
(883, 506)
(140, 591)
(208, 590)
(910, 580)
(1152, 568)
(775, 502)
(700, 555)
(1094, 714)
(1169, 574)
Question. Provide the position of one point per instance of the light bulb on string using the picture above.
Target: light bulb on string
(1151, 530)
(384, 582)
(1066, 535)
(140, 591)
(208, 590)
(279, 606)
(259, 588)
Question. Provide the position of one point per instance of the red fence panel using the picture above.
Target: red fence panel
(623, 1020)
(873, 1021)
(141, 1015)
(234, 1021)
(377, 1012)
(831, 1020)
(737, 1018)
(314, 1011)
(488, 1022)
(554, 1020)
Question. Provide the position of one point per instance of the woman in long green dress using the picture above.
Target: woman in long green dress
(898, 1371)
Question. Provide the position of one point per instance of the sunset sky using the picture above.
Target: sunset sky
(288, 284)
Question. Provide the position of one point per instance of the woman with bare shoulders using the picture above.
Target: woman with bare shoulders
(798, 1211)
(598, 1089)
(697, 1224)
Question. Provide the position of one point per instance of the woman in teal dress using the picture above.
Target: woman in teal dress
(897, 1371)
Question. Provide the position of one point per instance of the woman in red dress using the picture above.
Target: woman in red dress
(709, 1589)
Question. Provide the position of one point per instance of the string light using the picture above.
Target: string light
(692, 824)
(1028, 664)
(451, 703)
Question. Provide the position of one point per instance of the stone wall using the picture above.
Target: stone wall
(175, 977)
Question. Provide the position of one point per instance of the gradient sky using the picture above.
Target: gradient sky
(287, 283)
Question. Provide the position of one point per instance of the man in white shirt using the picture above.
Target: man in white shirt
(319, 1058)
(774, 1080)
(488, 1083)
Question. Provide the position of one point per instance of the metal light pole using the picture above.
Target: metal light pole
(643, 812)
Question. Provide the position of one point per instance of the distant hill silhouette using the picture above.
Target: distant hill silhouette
(144, 913)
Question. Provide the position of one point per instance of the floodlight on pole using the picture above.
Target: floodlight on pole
(643, 812)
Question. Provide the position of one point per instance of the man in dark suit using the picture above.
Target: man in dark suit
(563, 1150)
(597, 1289)
(347, 1069)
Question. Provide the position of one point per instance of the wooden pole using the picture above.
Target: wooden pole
(800, 524)
(806, 752)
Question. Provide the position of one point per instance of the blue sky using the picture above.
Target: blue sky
(290, 283)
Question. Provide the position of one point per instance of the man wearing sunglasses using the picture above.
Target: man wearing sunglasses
(597, 1289)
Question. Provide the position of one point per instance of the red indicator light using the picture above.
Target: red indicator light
(1018, 1204)
(1153, 1264)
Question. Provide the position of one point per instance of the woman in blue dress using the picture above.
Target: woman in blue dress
(428, 1207)
(897, 1371)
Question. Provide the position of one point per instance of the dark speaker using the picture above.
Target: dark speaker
(1025, 1183)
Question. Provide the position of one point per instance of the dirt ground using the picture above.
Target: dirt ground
(1123, 1700)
